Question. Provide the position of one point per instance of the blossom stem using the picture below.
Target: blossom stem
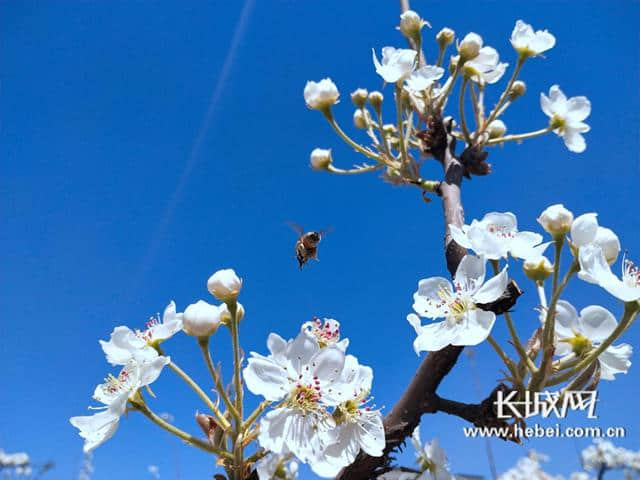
(401, 137)
(548, 333)
(356, 146)
(354, 171)
(541, 294)
(504, 357)
(443, 48)
(520, 136)
(512, 330)
(190, 439)
(255, 414)
(629, 314)
(383, 135)
(477, 109)
(217, 380)
(446, 90)
(238, 466)
(463, 122)
(224, 423)
(505, 95)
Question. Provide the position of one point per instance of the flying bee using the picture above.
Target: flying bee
(307, 244)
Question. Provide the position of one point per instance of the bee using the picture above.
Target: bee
(307, 244)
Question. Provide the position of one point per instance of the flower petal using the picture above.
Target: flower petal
(431, 337)
(470, 273)
(578, 108)
(597, 323)
(427, 301)
(615, 359)
(567, 322)
(493, 288)
(265, 377)
(476, 329)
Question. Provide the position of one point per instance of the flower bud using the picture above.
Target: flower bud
(453, 63)
(583, 229)
(517, 90)
(361, 119)
(445, 37)
(609, 242)
(470, 46)
(537, 269)
(225, 314)
(359, 97)
(375, 99)
(389, 128)
(201, 319)
(497, 129)
(556, 220)
(320, 159)
(224, 285)
(321, 95)
(411, 24)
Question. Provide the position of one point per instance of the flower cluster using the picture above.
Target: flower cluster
(583, 342)
(422, 91)
(322, 416)
(18, 464)
(604, 455)
(431, 460)
(139, 354)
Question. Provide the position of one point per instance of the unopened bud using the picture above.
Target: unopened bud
(556, 220)
(411, 24)
(320, 159)
(497, 129)
(375, 99)
(361, 119)
(389, 128)
(517, 90)
(445, 37)
(453, 63)
(470, 46)
(359, 97)
(537, 269)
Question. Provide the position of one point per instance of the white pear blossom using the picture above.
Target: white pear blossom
(485, 67)
(466, 323)
(396, 65)
(275, 466)
(321, 95)
(303, 377)
(603, 453)
(577, 334)
(566, 117)
(529, 43)
(126, 344)
(431, 458)
(556, 219)
(326, 332)
(114, 394)
(201, 319)
(529, 468)
(225, 285)
(358, 426)
(585, 230)
(320, 158)
(496, 236)
(594, 268)
(424, 77)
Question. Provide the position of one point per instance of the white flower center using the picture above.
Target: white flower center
(326, 333)
(457, 304)
(501, 231)
(147, 333)
(114, 386)
(630, 274)
(305, 396)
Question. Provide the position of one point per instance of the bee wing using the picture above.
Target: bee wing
(297, 228)
(326, 230)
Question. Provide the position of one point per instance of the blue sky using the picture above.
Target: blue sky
(115, 200)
